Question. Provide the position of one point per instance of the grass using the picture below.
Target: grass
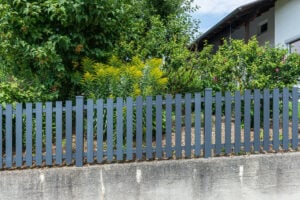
(291, 109)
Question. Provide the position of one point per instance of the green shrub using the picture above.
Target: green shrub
(12, 91)
(236, 65)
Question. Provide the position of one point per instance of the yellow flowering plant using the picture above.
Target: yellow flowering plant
(123, 79)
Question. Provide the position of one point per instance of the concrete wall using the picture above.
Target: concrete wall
(270, 176)
(287, 15)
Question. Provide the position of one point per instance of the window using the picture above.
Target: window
(262, 28)
(294, 46)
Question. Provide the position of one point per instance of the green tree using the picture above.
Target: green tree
(46, 41)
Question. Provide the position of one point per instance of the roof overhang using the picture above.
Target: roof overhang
(235, 19)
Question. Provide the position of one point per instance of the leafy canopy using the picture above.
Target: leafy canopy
(45, 41)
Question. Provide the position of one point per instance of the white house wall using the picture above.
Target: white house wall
(287, 25)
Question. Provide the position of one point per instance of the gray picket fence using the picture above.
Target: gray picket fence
(199, 125)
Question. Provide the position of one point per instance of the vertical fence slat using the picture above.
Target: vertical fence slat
(197, 124)
(237, 122)
(295, 119)
(178, 125)
(39, 134)
(110, 129)
(247, 120)
(285, 118)
(1, 137)
(68, 132)
(29, 134)
(218, 123)
(90, 131)
(208, 123)
(129, 128)
(169, 126)
(148, 127)
(227, 122)
(275, 119)
(79, 131)
(8, 136)
(256, 120)
(19, 139)
(119, 129)
(139, 127)
(159, 127)
(99, 105)
(188, 115)
(266, 120)
(48, 133)
(58, 138)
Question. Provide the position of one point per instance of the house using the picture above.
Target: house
(287, 24)
(272, 21)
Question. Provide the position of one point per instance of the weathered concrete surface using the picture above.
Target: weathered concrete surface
(272, 176)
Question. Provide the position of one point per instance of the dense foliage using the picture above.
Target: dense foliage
(57, 48)
(14, 90)
(45, 41)
(237, 66)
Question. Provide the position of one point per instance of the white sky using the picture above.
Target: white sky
(212, 11)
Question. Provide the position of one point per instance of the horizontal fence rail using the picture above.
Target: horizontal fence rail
(162, 127)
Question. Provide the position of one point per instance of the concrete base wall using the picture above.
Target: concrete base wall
(271, 176)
